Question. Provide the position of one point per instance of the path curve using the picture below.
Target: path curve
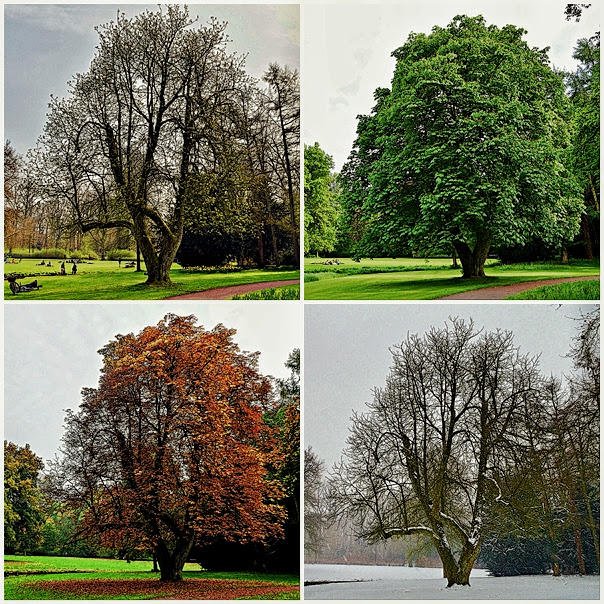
(499, 292)
(224, 293)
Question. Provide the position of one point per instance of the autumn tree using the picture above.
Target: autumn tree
(424, 460)
(468, 149)
(171, 448)
(23, 514)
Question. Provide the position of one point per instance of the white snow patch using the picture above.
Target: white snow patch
(403, 583)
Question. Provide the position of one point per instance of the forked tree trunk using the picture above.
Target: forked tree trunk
(172, 560)
(457, 572)
(159, 257)
(473, 260)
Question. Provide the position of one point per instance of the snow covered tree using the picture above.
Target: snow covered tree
(424, 460)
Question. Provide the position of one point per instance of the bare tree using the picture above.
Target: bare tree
(148, 114)
(424, 459)
(314, 506)
(284, 85)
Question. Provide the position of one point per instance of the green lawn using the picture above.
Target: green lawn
(96, 578)
(104, 280)
(420, 279)
(576, 290)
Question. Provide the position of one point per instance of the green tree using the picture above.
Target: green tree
(23, 516)
(468, 148)
(584, 91)
(320, 204)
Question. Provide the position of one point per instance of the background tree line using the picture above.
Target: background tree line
(183, 451)
(470, 453)
(465, 156)
(164, 141)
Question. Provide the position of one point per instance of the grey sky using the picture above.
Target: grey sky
(51, 352)
(45, 45)
(347, 48)
(346, 352)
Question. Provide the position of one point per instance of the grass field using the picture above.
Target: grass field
(421, 279)
(105, 280)
(578, 290)
(66, 578)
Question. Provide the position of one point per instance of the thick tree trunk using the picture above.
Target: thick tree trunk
(157, 261)
(472, 261)
(172, 560)
(589, 253)
(457, 572)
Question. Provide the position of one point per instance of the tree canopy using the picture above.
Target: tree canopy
(469, 148)
(320, 210)
(23, 515)
(171, 448)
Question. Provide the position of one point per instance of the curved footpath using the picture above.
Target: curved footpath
(224, 293)
(499, 292)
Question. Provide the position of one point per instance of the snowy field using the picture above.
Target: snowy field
(402, 583)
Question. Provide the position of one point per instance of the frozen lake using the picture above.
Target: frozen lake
(402, 583)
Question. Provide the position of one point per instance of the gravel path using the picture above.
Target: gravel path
(224, 293)
(500, 292)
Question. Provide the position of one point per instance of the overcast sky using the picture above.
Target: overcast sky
(346, 352)
(51, 352)
(45, 45)
(347, 50)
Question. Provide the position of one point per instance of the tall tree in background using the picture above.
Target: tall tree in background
(171, 448)
(23, 515)
(467, 149)
(320, 210)
(284, 86)
(424, 460)
(584, 91)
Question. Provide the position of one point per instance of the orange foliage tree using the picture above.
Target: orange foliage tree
(171, 448)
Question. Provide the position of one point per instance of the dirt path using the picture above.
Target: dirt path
(499, 292)
(224, 293)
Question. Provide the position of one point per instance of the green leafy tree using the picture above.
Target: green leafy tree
(584, 91)
(320, 204)
(468, 149)
(23, 516)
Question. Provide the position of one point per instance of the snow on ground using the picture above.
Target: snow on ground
(402, 583)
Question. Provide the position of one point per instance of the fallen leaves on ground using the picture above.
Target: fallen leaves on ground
(187, 589)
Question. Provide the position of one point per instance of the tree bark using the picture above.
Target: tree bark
(172, 560)
(589, 254)
(473, 260)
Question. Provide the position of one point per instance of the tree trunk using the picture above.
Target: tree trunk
(472, 261)
(260, 248)
(171, 562)
(457, 573)
(589, 254)
(157, 261)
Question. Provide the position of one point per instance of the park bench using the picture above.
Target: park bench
(130, 265)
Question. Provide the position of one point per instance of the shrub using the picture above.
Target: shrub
(276, 293)
(118, 254)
